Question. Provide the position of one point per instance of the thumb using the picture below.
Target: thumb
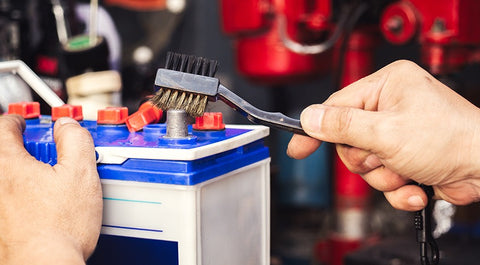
(342, 125)
(75, 146)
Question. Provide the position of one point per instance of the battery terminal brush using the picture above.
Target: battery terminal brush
(187, 83)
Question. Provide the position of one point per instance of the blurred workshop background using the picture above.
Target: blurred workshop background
(279, 55)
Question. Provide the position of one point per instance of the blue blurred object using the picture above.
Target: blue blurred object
(306, 182)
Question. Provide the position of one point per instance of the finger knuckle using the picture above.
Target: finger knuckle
(344, 122)
(388, 135)
(332, 97)
(404, 65)
(352, 158)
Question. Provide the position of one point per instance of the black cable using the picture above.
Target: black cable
(358, 10)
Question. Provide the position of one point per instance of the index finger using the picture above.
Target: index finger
(301, 146)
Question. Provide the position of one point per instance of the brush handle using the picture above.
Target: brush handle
(255, 115)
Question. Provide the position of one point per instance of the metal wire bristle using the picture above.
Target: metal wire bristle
(161, 98)
(172, 100)
(193, 104)
(180, 100)
(188, 101)
(198, 106)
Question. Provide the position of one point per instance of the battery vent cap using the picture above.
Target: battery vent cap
(210, 121)
(28, 110)
(112, 115)
(146, 114)
(67, 110)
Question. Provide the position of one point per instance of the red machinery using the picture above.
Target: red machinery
(260, 53)
(447, 31)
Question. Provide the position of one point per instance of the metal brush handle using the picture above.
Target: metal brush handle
(255, 115)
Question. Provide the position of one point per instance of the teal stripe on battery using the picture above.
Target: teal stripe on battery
(127, 200)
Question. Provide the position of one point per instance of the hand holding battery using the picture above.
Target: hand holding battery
(48, 214)
(398, 125)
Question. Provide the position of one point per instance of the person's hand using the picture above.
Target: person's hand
(48, 215)
(398, 125)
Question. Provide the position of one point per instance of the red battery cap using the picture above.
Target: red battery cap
(112, 115)
(146, 114)
(210, 121)
(28, 110)
(66, 110)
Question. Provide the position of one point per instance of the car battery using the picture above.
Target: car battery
(200, 199)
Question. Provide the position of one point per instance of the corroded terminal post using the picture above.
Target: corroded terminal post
(177, 125)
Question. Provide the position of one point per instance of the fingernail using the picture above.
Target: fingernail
(416, 201)
(312, 117)
(66, 120)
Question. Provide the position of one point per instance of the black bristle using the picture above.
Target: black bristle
(177, 61)
(197, 67)
(205, 63)
(169, 60)
(183, 63)
(190, 64)
(213, 68)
